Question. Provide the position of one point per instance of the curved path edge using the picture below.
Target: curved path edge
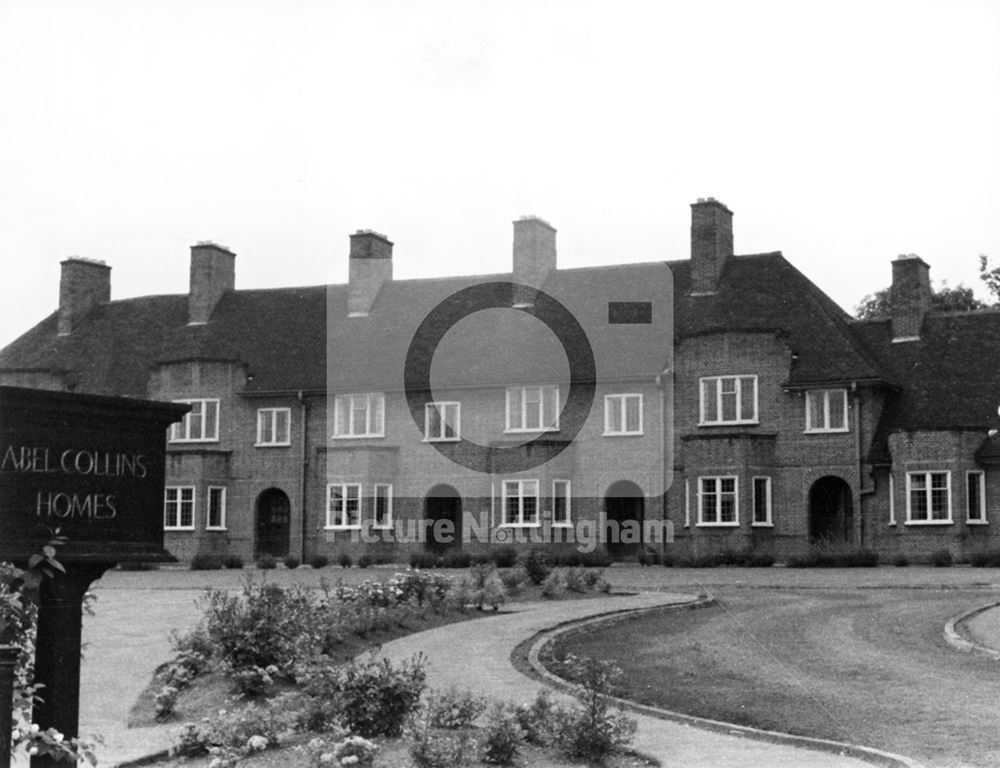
(537, 643)
(954, 638)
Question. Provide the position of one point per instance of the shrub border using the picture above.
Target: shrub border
(536, 644)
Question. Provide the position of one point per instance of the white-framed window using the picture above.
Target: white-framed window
(623, 414)
(561, 502)
(215, 508)
(442, 422)
(826, 410)
(343, 505)
(520, 502)
(975, 496)
(199, 425)
(274, 426)
(728, 400)
(928, 498)
(762, 501)
(382, 506)
(892, 499)
(178, 508)
(361, 415)
(718, 502)
(533, 409)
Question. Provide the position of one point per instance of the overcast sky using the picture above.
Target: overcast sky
(842, 134)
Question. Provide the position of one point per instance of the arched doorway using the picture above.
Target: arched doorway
(443, 513)
(831, 511)
(624, 508)
(273, 523)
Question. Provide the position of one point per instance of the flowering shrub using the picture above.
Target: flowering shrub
(453, 708)
(354, 750)
(377, 698)
(485, 589)
(538, 565)
(502, 735)
(537, 720)
(431, 749)
(554, 584)
(593, 731)
(232, 735)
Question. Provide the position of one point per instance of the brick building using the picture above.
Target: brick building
(727, 396)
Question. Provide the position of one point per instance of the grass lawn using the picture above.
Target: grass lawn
(864, 664)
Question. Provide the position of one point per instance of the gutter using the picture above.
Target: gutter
(664, 380)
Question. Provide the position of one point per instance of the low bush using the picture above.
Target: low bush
(291, 562)
(454, 708)
(424, 560)
(232, 562)
(650, 556)
(502, 735)
(431, 749)
(538, 565)
(484, 588)
(350, 750)
(266, 563)
(513, 579)
(900, 561)
(941, 558)
(504, 557)
(536, 720)
(826, 558)
(345, 561)
(554, 585)
(594, 730)
(989, 558)
(456, 560)
(760, 560)
(578, 580)
(365, 560)
(376, 698)
(206, 561)
(319, 561)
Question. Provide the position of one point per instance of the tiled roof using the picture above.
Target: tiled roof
(950, 378)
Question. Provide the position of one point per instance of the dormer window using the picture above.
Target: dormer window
(826, 410)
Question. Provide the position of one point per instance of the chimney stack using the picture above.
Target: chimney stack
(910, 297)
(213, 272)
(370, 268)
(534, 255)
(711, 244)
(82, 284)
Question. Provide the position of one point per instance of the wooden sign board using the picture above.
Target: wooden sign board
(91, 466)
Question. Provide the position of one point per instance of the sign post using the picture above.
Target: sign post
(93, 468)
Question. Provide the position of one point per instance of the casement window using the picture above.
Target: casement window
(442, 422)
(382, 506)
(178, 508)
(928, 497)
(360, 415)
(533, 409)
(717, 501)
(623, 414)
(561, 502)
(274, 426)
(975, 497)
(762, 501)
(728, 400)
(520, 502)
(199, 425)
(826, 410)
(215, 513)
(343, 506)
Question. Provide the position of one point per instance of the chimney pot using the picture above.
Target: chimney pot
(213, 272)
(910, 296)
(370, 268)
(83, 284)
(711, 244)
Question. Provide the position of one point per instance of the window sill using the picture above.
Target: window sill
(215, 528)
(190, 442)
(755, 423)
(562, 525)
(977, 522)
(532, 431)
(843, 431)
(762, 525)
(356, 437)
(342, 528)
(175, 529)
(929, 522)
(272, 445)
(387, 527)
(442, 439)
(622, 434)
(519, 525)
(718, 525)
